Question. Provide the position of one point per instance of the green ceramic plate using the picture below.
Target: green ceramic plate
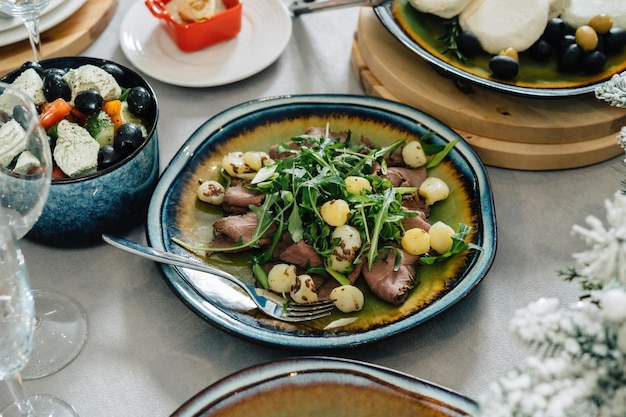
(175, 212)
(421, 33)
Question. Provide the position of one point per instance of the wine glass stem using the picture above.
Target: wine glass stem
(16, 389)
(32, 26)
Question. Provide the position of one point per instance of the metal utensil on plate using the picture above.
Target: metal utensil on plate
(301, 7)
(291, 312)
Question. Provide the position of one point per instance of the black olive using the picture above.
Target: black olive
(540, 51)
(570, 59)
(54, 86)
(107, 156)
(115, 71)
(594, 61)
(88, 102)
(566, 41)
(614, 40)
(22, 116)
(555, 29)
(57, 71)
(139, 101)
(468, 44)
(34, 65)
(503, 67)
(128, 137)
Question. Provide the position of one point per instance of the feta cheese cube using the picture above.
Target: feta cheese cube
(91, 77)
(76, 152)
(12, 141)
(26, 162)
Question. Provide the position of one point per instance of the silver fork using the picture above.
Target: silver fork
(289, 312)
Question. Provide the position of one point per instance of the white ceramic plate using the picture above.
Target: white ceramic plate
(12, 22)
(57, 12)
(265, 32)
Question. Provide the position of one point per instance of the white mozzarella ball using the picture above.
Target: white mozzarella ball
(345, 252)
(303, 290)
(358, 185)
(434, 189)
(282, 277)
(335, 212)
(416, 241)
(440, 235)
(348, 298)
(413, 154)
(211, 192)
(255, 160)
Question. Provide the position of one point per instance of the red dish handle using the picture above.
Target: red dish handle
(158, 9)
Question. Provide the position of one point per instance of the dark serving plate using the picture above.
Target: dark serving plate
(175, 212)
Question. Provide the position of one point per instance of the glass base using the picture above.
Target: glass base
(60, 334)
(43, 406)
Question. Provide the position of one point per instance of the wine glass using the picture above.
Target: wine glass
(25, 177)
(28, 11)
(17, 325)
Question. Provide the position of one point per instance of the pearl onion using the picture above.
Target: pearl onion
(416, 241)
(344, 253)
(440, 235)
(335, 212)
(357, 185)
(281, 277)
(348, 298)
(413, 154)
(303, 290)
(433, 189)
(211, 192)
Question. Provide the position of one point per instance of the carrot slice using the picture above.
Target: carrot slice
(54, 112)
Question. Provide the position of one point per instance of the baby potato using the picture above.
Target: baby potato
(348, 298)
(303, 290)
(415, 241)
(282, 277)
(235, 167)
(441, 237)
(255, 160)
(211, 192)
(413, 154)
(345, 252)
(358, 185)
(434, 189)
(335, 212)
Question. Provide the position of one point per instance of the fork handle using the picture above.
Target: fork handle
(297, 8)
(170, 259)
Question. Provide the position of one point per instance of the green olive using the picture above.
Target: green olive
(586, 38)
(601, 23)
(510, 52)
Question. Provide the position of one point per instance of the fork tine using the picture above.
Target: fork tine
(307, 316)
(312, 307)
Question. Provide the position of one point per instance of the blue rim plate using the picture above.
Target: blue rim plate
(297, 387)
(175, 212)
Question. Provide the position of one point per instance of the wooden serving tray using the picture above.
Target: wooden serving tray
(506, 131)
(68, 38)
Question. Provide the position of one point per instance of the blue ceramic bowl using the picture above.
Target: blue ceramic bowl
(112, 200)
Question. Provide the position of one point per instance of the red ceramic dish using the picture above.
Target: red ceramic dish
(197, 35)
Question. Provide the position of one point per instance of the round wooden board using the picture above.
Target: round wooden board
(68, 38)
(506, 131)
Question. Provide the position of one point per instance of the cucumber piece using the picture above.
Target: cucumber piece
(101, 128)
